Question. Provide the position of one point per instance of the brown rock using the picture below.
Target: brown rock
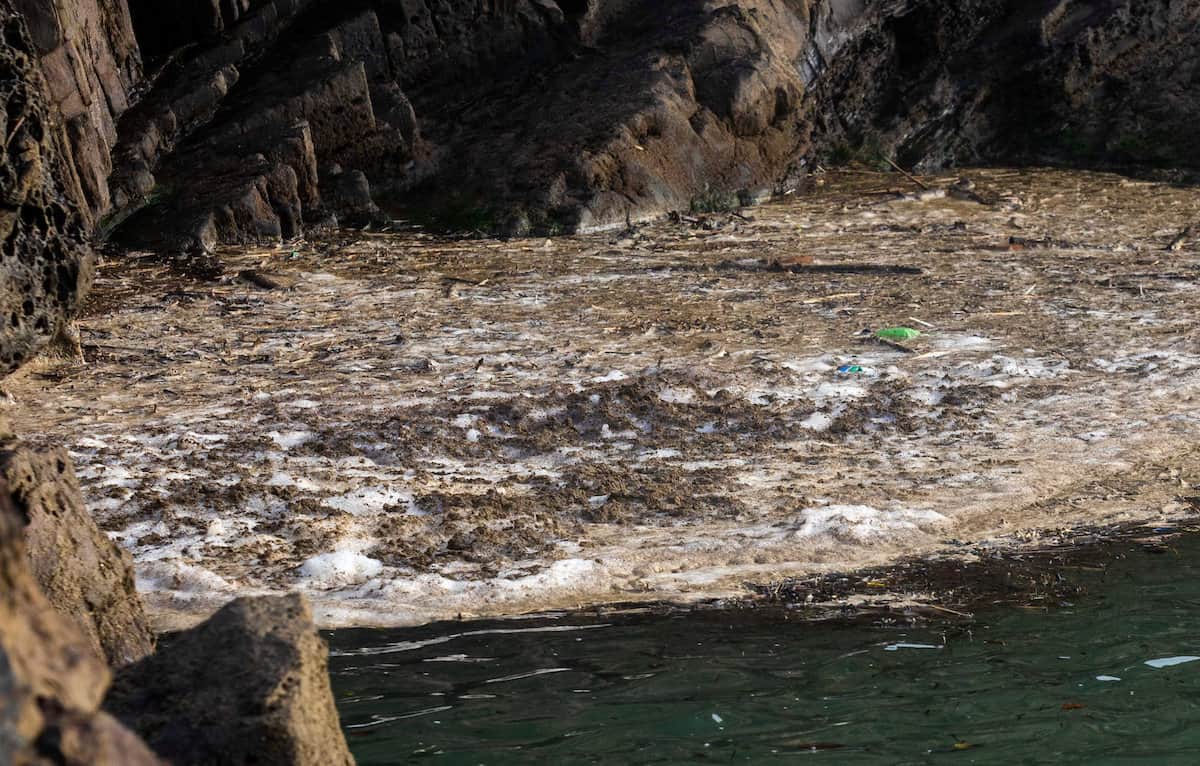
(83, 573)
(251, 685)
(45, 263)
(51, 680)
(583, 114)
(95, 739)
(91, 64)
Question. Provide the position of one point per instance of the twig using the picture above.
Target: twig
(834, 297)
(948, 611)
(907, 175)
(15, 130)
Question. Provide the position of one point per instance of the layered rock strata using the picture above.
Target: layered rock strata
(552, 116)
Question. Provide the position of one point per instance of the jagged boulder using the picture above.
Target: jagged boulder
(250, 685)
(83, 573)
(51, 680)
(45, 261)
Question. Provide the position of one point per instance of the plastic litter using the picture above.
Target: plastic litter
(898, 333)
(898, 647)
(850, 369)
(1167, 662)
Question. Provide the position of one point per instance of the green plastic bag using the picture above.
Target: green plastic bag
(898, 333)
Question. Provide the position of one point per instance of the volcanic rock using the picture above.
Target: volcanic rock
(45, 262)
(51, 679)
(83, 573)
(250, 685)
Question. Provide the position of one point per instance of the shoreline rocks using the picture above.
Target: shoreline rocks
(250, 685)
(51, 680)
(45, 261)
(82, 572)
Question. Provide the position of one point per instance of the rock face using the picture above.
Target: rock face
(83, 573)
(251, 685)
(640, 110)
(91, 64)
(273, 129)
(263, 117)
(51, 681)
(1110, 83)
(45, 263)
(57, 131)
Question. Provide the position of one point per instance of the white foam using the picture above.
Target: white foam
(838, 391)
(862, 523)
(367, 500)
(817, 364)
(818, 421)
(677, 395)
(1169, 662)
(287, 440)
(339, 568)
(203, 440)
(89, 442)
(663, 453)
(956, 342)
(612, 377)
(284, 479)
(898, 647)
(181, 579)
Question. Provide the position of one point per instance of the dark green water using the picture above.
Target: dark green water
(1015, 686)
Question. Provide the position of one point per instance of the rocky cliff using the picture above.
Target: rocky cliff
(91, 63)
(45, 262)
(1095, 84)
(257, 120)
(68, 606)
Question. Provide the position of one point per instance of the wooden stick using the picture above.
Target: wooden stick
(948, 611)
(834, 297)
(13, 133)
(906, 174)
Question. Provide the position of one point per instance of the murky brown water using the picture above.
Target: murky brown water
(424, 427)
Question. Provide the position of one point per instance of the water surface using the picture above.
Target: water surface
(1106, 680)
